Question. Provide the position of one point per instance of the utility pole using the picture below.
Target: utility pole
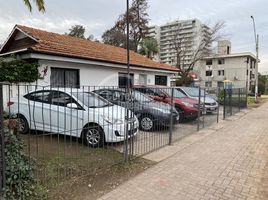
(126, 154)
(257, 59)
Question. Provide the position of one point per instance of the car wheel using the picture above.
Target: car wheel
(93, 136)
(23, 126)
(146, 123)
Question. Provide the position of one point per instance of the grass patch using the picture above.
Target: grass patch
(67, 169)
(260, 100)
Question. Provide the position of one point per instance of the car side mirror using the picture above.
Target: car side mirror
(72, 105)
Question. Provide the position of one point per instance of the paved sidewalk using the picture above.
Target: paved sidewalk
(227, 163)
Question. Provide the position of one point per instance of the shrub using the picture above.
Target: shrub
(19, 170)
(15, 70)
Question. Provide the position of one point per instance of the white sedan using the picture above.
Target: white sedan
(79, 114)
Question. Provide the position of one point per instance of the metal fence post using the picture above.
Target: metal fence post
(224, 103)
(126, 153)
(218, 109)
(231, 101)
(203, 107)
(239, 103)
(2, 159)
(199, 102)
(171, 117)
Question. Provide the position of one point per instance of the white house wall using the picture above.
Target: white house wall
(94, 75)
(90, 75)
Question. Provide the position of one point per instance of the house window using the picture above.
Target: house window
(209, 62)
(221, 61)
(221, 72)
(123, 80)
(61, 77)
(142, 79)
(209, 73)
(160, 80)
(208, 84)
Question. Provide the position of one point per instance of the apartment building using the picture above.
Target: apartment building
(191, 32)
(239, 68)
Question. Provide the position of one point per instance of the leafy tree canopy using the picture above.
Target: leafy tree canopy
(77, 31)
(15, 70)
(138, 25)
(39, 3)
(149, 47)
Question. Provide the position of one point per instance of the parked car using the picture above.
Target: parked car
(149, 112)
(78, 114)
(188, 108)
(211, 104)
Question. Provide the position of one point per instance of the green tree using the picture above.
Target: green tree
(262, 83)
(77, 31)
(138, 25)
(39, 3)
(149, 47)
(116, 38)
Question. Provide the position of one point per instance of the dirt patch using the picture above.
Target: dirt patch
(69, 170)
(91, 187)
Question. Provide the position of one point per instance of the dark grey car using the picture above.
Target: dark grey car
(149, 112)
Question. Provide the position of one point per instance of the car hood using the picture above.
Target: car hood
(159, 105)
(114, 111)
(207, 99)
(189, 100)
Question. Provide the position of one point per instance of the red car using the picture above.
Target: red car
(187, 107)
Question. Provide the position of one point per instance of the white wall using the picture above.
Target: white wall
(235, 69)
(91, 75)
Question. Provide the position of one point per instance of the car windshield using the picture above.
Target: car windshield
(176, 93)
(194, 92)
(141, 97)
(91, 100)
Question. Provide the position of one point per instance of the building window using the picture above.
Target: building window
(160, 80)
(61, 77)
(220, 84)
(221, 61)
(123, 80)
(228, 50)
(142, 79)
(209, 73)
(208, 84)
(221, 72)
(209, 62)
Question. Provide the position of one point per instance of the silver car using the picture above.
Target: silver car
(211, 105)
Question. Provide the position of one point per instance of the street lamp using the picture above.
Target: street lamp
(257, 58)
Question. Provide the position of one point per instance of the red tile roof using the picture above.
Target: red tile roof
(53, 43)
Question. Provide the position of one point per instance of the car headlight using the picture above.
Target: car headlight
(187, 104)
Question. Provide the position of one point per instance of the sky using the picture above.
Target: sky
(99, 15)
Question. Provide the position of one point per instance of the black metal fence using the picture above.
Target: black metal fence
(233, 101)
(68, 133)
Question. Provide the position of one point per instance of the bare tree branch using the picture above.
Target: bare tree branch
(199, 51)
